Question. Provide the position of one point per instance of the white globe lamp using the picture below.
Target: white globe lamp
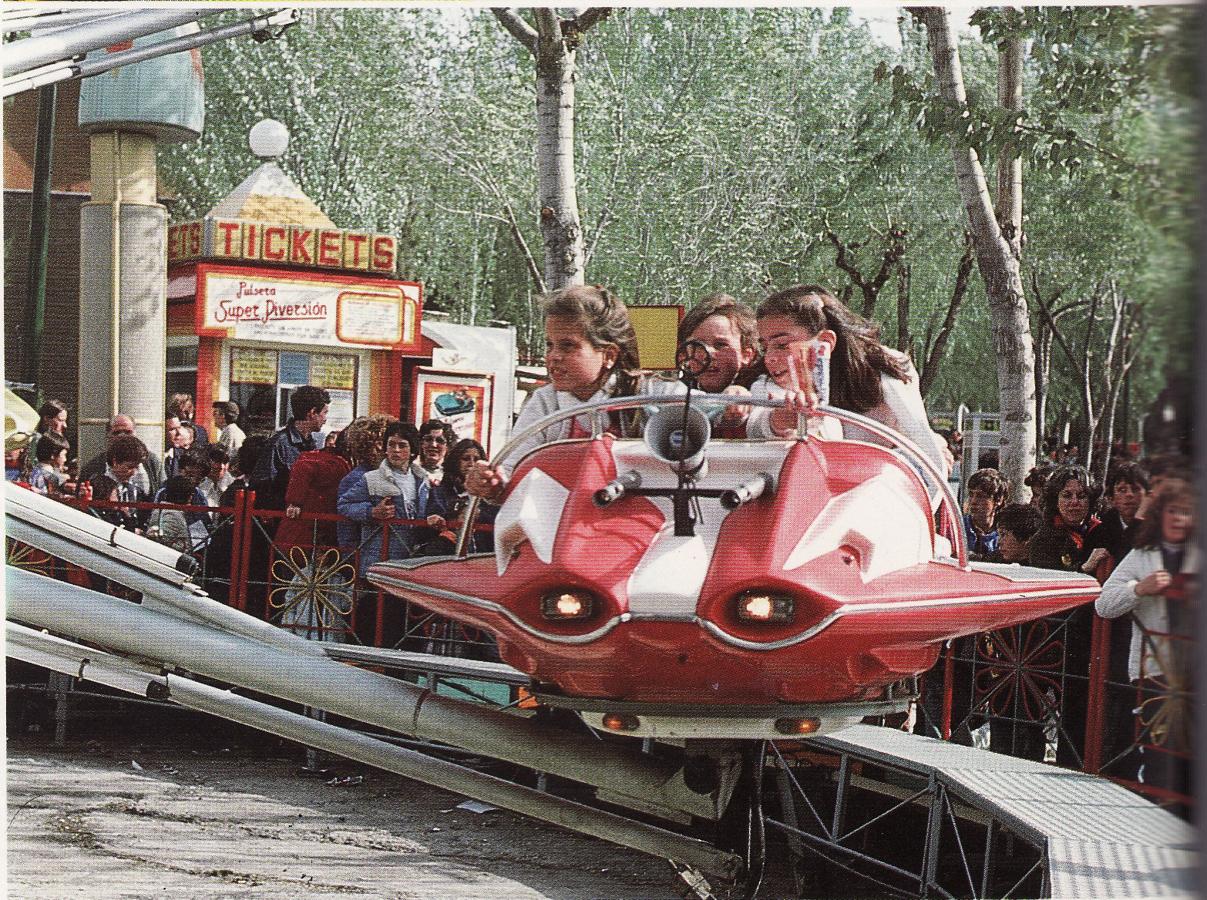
(268, 138)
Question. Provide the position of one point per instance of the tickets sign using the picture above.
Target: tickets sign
(307, 308)
(295, 245)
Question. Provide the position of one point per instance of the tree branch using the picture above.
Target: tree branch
(935, 353)
(1060, 338)
(587, 18)
(549, 31)
(470, 212)
(517, 27)
(534, 270)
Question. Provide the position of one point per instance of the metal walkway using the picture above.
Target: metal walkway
(1099, 839)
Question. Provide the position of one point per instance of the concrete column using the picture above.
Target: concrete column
(123, 283)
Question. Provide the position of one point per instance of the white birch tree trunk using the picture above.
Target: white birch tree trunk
(553, 45)
(999, 267)
(561, 228)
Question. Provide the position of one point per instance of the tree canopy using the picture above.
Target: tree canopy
(735, 150)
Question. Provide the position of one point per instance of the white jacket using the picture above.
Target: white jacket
(545, 400)
(1118, 598)
(901, 409)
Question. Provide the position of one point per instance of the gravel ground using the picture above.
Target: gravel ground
(184, 806)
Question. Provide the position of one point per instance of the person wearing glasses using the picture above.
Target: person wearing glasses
(435, 439)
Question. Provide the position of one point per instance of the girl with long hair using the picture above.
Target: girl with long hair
(591, 355)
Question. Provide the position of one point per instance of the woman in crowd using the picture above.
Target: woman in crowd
(52, 417)
(306, 553)
(365, 439)
(1156, 583)
(313, 488)
(1069, 495)
(448, 500)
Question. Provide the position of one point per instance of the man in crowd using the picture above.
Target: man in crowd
(150, 475)
(226, 420)
(271, 476)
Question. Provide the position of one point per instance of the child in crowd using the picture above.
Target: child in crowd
(16, 446)
(591, 355)
(105, 489)
(1016, 525)
(987, 491)
(1126, 488)
(391, 491)
(193, 467)
(169, 526)
(50, 473)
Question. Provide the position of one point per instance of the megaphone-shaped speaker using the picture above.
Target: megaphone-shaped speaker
(668, 439)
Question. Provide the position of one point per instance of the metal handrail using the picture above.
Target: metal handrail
(947, 497)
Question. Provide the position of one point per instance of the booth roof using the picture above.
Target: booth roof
(269, 195)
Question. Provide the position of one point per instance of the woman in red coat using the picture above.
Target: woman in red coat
(312, 589)
(313, 488)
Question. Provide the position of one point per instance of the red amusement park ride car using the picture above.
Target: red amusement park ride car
(678, 586)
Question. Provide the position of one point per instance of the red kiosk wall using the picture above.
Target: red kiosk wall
(209, 369)
(385, 382)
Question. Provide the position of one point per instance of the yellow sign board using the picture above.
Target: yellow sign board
(657, 330)
(329, 370)
(252, 366)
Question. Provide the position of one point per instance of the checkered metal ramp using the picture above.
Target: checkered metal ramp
(1102, 840)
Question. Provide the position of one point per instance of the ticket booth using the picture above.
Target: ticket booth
(266, 294)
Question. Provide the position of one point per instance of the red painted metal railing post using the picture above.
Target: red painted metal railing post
(238, 538)
(948, 684)
(1100, 667)
(249, 529)
(379, 625)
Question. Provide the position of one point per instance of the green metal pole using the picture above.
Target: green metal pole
(39, 237)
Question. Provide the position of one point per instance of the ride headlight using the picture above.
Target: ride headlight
(569, 605)
(759, 606)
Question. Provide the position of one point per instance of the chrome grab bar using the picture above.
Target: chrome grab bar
(914, 453)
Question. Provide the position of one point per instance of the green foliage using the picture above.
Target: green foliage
(716, 147)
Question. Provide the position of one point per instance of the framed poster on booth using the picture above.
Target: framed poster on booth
(462, 399)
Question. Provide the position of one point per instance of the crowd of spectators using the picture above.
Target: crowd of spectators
(369, 491)
(1120, 534)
